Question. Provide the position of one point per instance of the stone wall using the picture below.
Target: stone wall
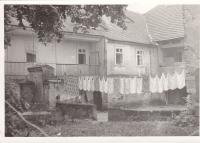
(136, 115)
(77, 111)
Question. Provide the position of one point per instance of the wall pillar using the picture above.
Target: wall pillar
(39, 74)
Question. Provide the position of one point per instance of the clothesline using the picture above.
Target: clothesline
(167, 82)
(106, 85)
(132, 85)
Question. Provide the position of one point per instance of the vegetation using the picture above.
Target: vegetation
(47, 21)
(188, 117)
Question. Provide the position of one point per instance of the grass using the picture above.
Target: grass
(94, 128)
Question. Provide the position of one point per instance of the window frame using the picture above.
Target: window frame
(85, 53)
(140, 50)
(122, 52)
(33, 54)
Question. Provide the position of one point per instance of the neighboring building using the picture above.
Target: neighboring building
(175, 29)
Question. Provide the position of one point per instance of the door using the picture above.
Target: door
(94, 62)
(97, 97)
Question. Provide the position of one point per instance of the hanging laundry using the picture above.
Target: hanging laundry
(164, 82)
(174, 83)
(139, 85)
(121, 85)
(170, 81)
(80, 83)
(84, 83)
(126, 86)
(133, 85)
(105, 86)
(88, 83)
(92, 84)
(181, 80)
(100, 85)
(160, 85)
(151, 82)
(116, 86)
(110, 85)
(156, 83)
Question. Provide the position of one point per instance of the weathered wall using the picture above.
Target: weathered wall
(192, 45)
(100, 56)
(129, 66)
(65, 52)
(154, 61)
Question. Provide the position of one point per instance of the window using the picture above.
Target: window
(119, 56)
(81, 56)
(30, 57)
(139, 57)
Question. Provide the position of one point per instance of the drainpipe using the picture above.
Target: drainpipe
(153, 43)
(105, 56)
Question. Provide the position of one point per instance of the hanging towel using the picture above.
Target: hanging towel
(174, 83)
(92, 84)
(110, 85)
(121, 85)
(100, 85)
(126, 86)
(105, 86)
(96, 83)
(164, 82)
(156, 83)
(160, 85)
(133, 85)
(139, 85)
(80, 83)
(181, 79)
(151, 82)
(170, 81)
(88, 83)
(84, 83)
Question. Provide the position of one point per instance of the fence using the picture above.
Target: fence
(20, 68)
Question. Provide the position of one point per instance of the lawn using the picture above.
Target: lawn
(94, 128)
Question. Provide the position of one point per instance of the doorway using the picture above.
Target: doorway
(97, 97)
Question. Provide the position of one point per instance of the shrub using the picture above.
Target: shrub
(187, 117)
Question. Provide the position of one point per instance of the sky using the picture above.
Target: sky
(141, 7)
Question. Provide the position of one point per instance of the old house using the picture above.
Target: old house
(154, 42)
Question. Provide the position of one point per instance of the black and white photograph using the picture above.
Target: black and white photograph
(101, 70)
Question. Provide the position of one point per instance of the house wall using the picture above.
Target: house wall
(129, 66)
(191, 52)
(65, 52)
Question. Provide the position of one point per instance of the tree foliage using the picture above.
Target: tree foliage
(47, 21)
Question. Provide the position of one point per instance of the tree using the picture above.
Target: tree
(47, 21)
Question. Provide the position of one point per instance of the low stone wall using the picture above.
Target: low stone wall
(140, 115)
(77, 111)
(40, 118)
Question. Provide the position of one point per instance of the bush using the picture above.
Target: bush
(13, 124)
(187, 118)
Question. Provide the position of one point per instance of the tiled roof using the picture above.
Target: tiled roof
(165, 22)
(136, 29)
